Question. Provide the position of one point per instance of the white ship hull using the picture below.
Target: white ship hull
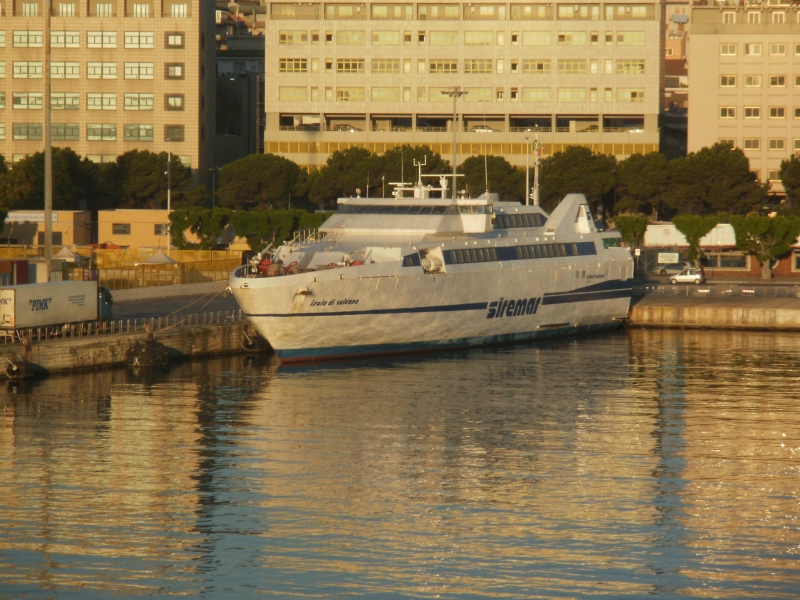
(367, 310)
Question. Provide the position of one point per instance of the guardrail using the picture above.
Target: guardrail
(118, 326)
(719, 290)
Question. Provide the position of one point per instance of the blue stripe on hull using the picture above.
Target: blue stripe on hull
(333, 352)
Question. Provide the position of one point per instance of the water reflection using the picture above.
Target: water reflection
(657, 463)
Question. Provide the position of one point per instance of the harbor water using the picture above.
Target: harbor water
(647, 463)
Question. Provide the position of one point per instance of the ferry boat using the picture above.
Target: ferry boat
(422, 270)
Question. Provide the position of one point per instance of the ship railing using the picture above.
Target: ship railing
(121, 326)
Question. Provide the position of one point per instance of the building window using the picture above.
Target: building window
(797, 112)
(630, 38)
(350, 38)
(27, 100)
(139, 70)
(536, 66)
(2, 39)
(27, 131)
(630, 67)
(28, 39)
(478, 95)
(478, 38)
(727, 81)
(777, 112)
(173, 71)
(2, 131)
(65, 100)
(139, 39)
(30, 9)
(61, 70)
(121, 229)
(141, 11)
(777, 49)
(285, 94)
(173, 133)
(754, 17)
(27, 70)
(350, 65)
(777, 81)
(384, 94)
(101, 132)
(179, 11)
(630, 95)
(2, 70)
(729, 17)
(2, 100)
(752, 143)
(96, 70)
(572, 38)
(752, 81)
(385, 38)
(777, 144)
(139, 101)
(349, 94)
(727, 49)
(797, 144)
(778, 17)
(139, 133)
(572, 94)
(101, 39)
(536, 94)
(478, 65)
(571, 66)
(65, 39)
(293, 65)
(752, 49)
(292, 38)
(65, 132)
(535, 38)
(386, 65)
(752, 112)
(174, 40)
(173, 102)
(443, 66)
(103, 9)
(161, 229)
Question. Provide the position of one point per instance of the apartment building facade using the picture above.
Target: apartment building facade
(745, 63)
(378, 75)
(125, 75)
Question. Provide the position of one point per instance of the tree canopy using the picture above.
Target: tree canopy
(767, 238)
(714, 180)
(504, 179)
(790, 177)
(74, 181)
(261, 181)
(694, 228)
(138, 179)
(632, 229)
(575, 170)
(642, 184)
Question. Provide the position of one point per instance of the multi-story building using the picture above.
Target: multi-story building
(745, 63)
(378, 75)
(125, 75)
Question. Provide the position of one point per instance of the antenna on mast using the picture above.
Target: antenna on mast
(420, 165)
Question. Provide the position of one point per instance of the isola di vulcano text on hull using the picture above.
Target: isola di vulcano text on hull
(422, 271)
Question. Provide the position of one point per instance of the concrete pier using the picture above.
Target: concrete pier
(108, 350)
(696, 312)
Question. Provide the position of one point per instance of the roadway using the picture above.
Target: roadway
(183, 305)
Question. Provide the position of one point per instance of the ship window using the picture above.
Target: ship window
(476, 255)
(410, 209)
(519, 220)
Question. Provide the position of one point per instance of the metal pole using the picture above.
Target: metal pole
(169, 192)
(48, 150)
(536, 169)
(455, 93)
(527, 169)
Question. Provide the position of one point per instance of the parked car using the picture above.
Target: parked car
(672, 268)
(689, 276)
(345, 127)
(482, 129)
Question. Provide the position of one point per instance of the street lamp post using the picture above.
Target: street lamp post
(48, 149)
(454, 94)
(169, 193)
(535, 167)
(383, 186)
(527, 169)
